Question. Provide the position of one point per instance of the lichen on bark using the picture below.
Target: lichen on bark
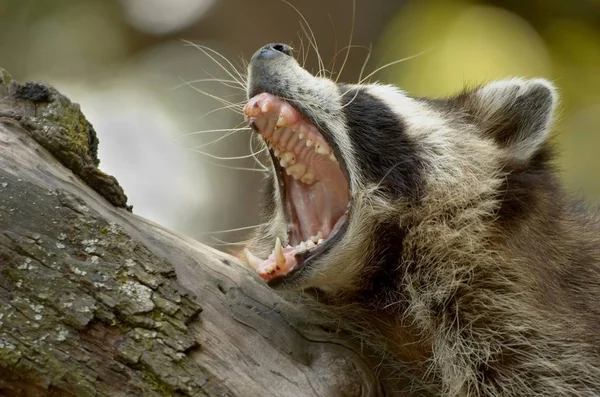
(78, 282)
(58, 125)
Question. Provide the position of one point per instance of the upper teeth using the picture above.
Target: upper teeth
(321, 149)
(288, 159)
(288, 143)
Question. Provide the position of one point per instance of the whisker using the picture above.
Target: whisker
(313, 42)
(255, 153)
(304, 51)
(241, 76)
(264, 171)
(351, 100)
(234, 108)
(225, 82)
(217, 98)
(388, 172)
(335, 44)
(391, 64)
(364, 65)
(244, 66)
(350, 41)
(211, 131)
(315, 47)
(241, 81)
(246, 156)
(223, 242)
(238, 86)
(237, 229)
(217, 140)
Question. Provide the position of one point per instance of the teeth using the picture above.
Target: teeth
(280, 121)
(265, 107)
(301, 135)
(310, 243)
(332, 157)
(279, 257)
(283, 163)
(289, 158)
(252, 259)
(318, 237)
(307, 178)
(321, 150)
(309, 143)
(296, 170)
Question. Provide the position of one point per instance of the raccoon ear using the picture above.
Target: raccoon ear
(516, 113)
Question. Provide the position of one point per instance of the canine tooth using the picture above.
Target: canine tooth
(280, 121)
(332, 157)
(279, 257)
(321, 150)
(252, 259)
(265, 107)
(309, 143)
(289, 157)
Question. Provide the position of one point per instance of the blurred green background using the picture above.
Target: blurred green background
(126, 63)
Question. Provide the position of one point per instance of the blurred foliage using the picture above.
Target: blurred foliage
(468, 43)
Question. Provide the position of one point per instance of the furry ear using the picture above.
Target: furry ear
(516, 113)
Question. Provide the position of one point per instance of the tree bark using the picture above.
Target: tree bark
(96, 301)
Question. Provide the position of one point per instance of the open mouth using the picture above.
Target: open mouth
(313, 185)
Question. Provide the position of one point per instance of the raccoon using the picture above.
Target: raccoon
(442, 220)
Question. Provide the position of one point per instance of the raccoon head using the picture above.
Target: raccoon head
(356, 169)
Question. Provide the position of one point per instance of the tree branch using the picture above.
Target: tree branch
(96, 301)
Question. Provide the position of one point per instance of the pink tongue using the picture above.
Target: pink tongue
(269, 269)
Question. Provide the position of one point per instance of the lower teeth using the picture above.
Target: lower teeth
(310, 243)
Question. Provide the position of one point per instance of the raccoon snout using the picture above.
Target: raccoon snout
(272, 51)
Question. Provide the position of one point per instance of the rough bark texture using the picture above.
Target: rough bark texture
(95, 301)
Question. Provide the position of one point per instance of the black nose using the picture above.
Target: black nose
(279, 47)
(272, 51)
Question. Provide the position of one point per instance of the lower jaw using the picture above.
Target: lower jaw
(285, 261)
(301, 273)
